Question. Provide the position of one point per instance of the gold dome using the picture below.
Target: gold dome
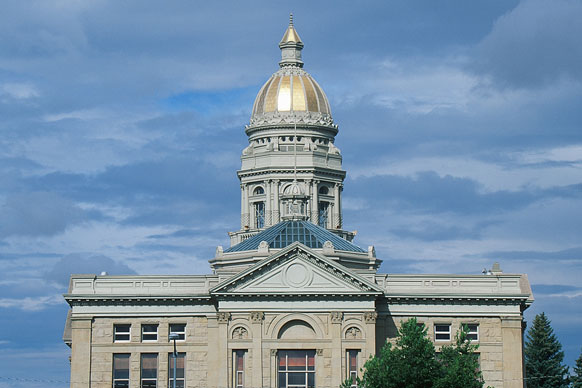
(291, 91)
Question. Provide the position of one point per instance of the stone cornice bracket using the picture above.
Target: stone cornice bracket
(223, 317)
(257, 316)
(370, 317)
(336, 316)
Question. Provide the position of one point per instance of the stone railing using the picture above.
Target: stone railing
(495, 285)
(141, 285)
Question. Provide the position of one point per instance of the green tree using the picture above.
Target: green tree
(544, 356)
(460, 363)
(577, 378)
(410, 363)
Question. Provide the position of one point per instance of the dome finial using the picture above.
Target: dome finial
(291, 46)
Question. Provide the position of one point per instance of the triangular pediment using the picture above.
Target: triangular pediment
(296, 270)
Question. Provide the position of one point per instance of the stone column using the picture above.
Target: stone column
(336, 209)
(512, 352)
(277, 212)
(81, 353)
(242, 206)
(336, 318)
(256, 318)
(247, 219)
(268, 207)
(315, 203)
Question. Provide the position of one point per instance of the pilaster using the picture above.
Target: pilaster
(81, 353)
(336, 318)
(256, 318)
(370, 321)
(512, 352)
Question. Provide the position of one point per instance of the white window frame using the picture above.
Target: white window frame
(235, 372)
(128, 356)
(143, 332)
(474, 333)
(440, 332)
(181, 334)
(149, 379)
(171, 370)
(116, 332)
(352, 375)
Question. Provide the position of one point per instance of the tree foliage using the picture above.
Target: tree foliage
(412, 362)
(460, 364)
(544, 356)
(576, 379)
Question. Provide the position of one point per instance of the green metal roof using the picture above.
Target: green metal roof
(287, 232)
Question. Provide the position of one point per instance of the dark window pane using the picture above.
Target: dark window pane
(296, 378)
(311, 379)
(282, 380)
(121, 384)
(150, 337)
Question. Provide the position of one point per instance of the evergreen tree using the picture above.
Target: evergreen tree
(411, 363)
(577, 378)
(460, 363)
(544, 356)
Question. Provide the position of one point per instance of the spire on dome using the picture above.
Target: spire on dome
(291, 46)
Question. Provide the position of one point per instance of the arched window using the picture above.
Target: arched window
(259, 190)
(323, 190)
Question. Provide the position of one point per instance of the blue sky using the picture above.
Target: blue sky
(122, 125)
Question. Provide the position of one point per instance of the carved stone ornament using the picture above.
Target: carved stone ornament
(353, 333)
(257, 316)
(278, 118)
(240, 333)
(370, 317)
(273, 352)
(336, 316)
(319, 352)
(223, 317)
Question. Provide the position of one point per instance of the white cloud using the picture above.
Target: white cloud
(19, 91)
(32, 303)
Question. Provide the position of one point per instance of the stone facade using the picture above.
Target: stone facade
(292, 290)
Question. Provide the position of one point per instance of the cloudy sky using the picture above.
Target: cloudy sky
(122, 123)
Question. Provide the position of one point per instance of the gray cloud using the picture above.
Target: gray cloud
(39, 214)
(534, 44)
(79, 263)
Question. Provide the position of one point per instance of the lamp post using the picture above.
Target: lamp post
(174, 336)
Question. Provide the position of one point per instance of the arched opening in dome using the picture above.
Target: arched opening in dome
(324, 190)
(259, 190)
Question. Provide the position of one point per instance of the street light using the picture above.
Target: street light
(174, 336)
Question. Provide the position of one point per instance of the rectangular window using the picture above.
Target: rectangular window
(323, 212)
(260, 214)
(121, 332)
(442, 332)
(180, 329)
(121, 370)
(238, 367)
(149, 370)
(149, 332)
(296, 369)
(472, 331)
(352, 362)
(180, 367)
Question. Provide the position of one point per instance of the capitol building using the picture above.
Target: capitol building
(293, 301)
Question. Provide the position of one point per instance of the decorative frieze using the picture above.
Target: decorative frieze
(353, 333)
(240, 333)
